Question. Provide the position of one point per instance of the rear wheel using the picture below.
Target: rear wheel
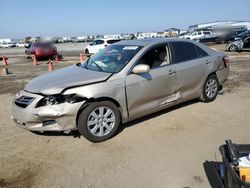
(99, 121)
(210, 89)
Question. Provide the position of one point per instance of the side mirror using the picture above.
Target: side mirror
(142, 68)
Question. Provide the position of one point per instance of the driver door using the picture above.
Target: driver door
(148, 91)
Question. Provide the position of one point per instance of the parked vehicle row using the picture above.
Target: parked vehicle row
(13, 44)
(7, 45)
(210, 37)
(122, 82)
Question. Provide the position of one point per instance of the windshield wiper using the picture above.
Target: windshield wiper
(98, 66)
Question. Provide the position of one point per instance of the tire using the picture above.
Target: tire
(233, 48)
(210, 89)
(93, 124)
(86, 51)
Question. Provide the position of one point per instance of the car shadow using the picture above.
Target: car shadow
(76, 134)
(156, 114)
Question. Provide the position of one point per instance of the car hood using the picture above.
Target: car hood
(55, 82)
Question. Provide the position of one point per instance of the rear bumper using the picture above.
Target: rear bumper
(222, 74)
(61, 117)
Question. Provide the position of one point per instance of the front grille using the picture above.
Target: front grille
(24, 101)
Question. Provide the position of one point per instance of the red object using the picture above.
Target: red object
(4, 60)
(42, 50)
(34, 60)
(50, 66)
(225, 60)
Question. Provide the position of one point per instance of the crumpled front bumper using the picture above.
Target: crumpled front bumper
(61, 117)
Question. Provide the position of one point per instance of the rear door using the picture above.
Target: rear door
(146, 92)
(190, 67)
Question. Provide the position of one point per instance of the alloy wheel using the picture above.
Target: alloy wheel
(211, 88)
(101, 121)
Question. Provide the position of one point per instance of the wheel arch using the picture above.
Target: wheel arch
(99, 99)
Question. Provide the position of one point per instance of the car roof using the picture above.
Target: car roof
(145, 42)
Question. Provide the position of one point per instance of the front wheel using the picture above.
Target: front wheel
(210, 89)
(86, 51)
(233, 48)
(99, 121)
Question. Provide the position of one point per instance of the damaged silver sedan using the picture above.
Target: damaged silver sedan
(124, 81)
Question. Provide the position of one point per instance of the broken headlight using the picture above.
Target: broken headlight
(58, 99)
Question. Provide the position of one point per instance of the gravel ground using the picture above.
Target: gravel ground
(166, 149)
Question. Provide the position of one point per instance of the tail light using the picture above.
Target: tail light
(225, 60)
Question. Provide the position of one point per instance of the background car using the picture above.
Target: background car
(41, 50)
(22, 44)
(231, 35)
(239, 44)
(196, 35)
(210, 38)
(8, 45)
(99, 44)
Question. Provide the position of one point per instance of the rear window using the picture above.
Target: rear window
(183, 51)
(113, 41)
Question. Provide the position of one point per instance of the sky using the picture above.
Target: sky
(21, 18)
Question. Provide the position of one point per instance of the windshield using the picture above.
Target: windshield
(111, 59)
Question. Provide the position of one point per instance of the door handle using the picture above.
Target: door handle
(208, 62)
(171, 72)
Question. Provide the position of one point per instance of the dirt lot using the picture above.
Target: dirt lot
(166, 149)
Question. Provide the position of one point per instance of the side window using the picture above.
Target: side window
(94, 42)
(199, 33)
(200, 52)
(99, 42)
(156, 57)
(183, 51)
